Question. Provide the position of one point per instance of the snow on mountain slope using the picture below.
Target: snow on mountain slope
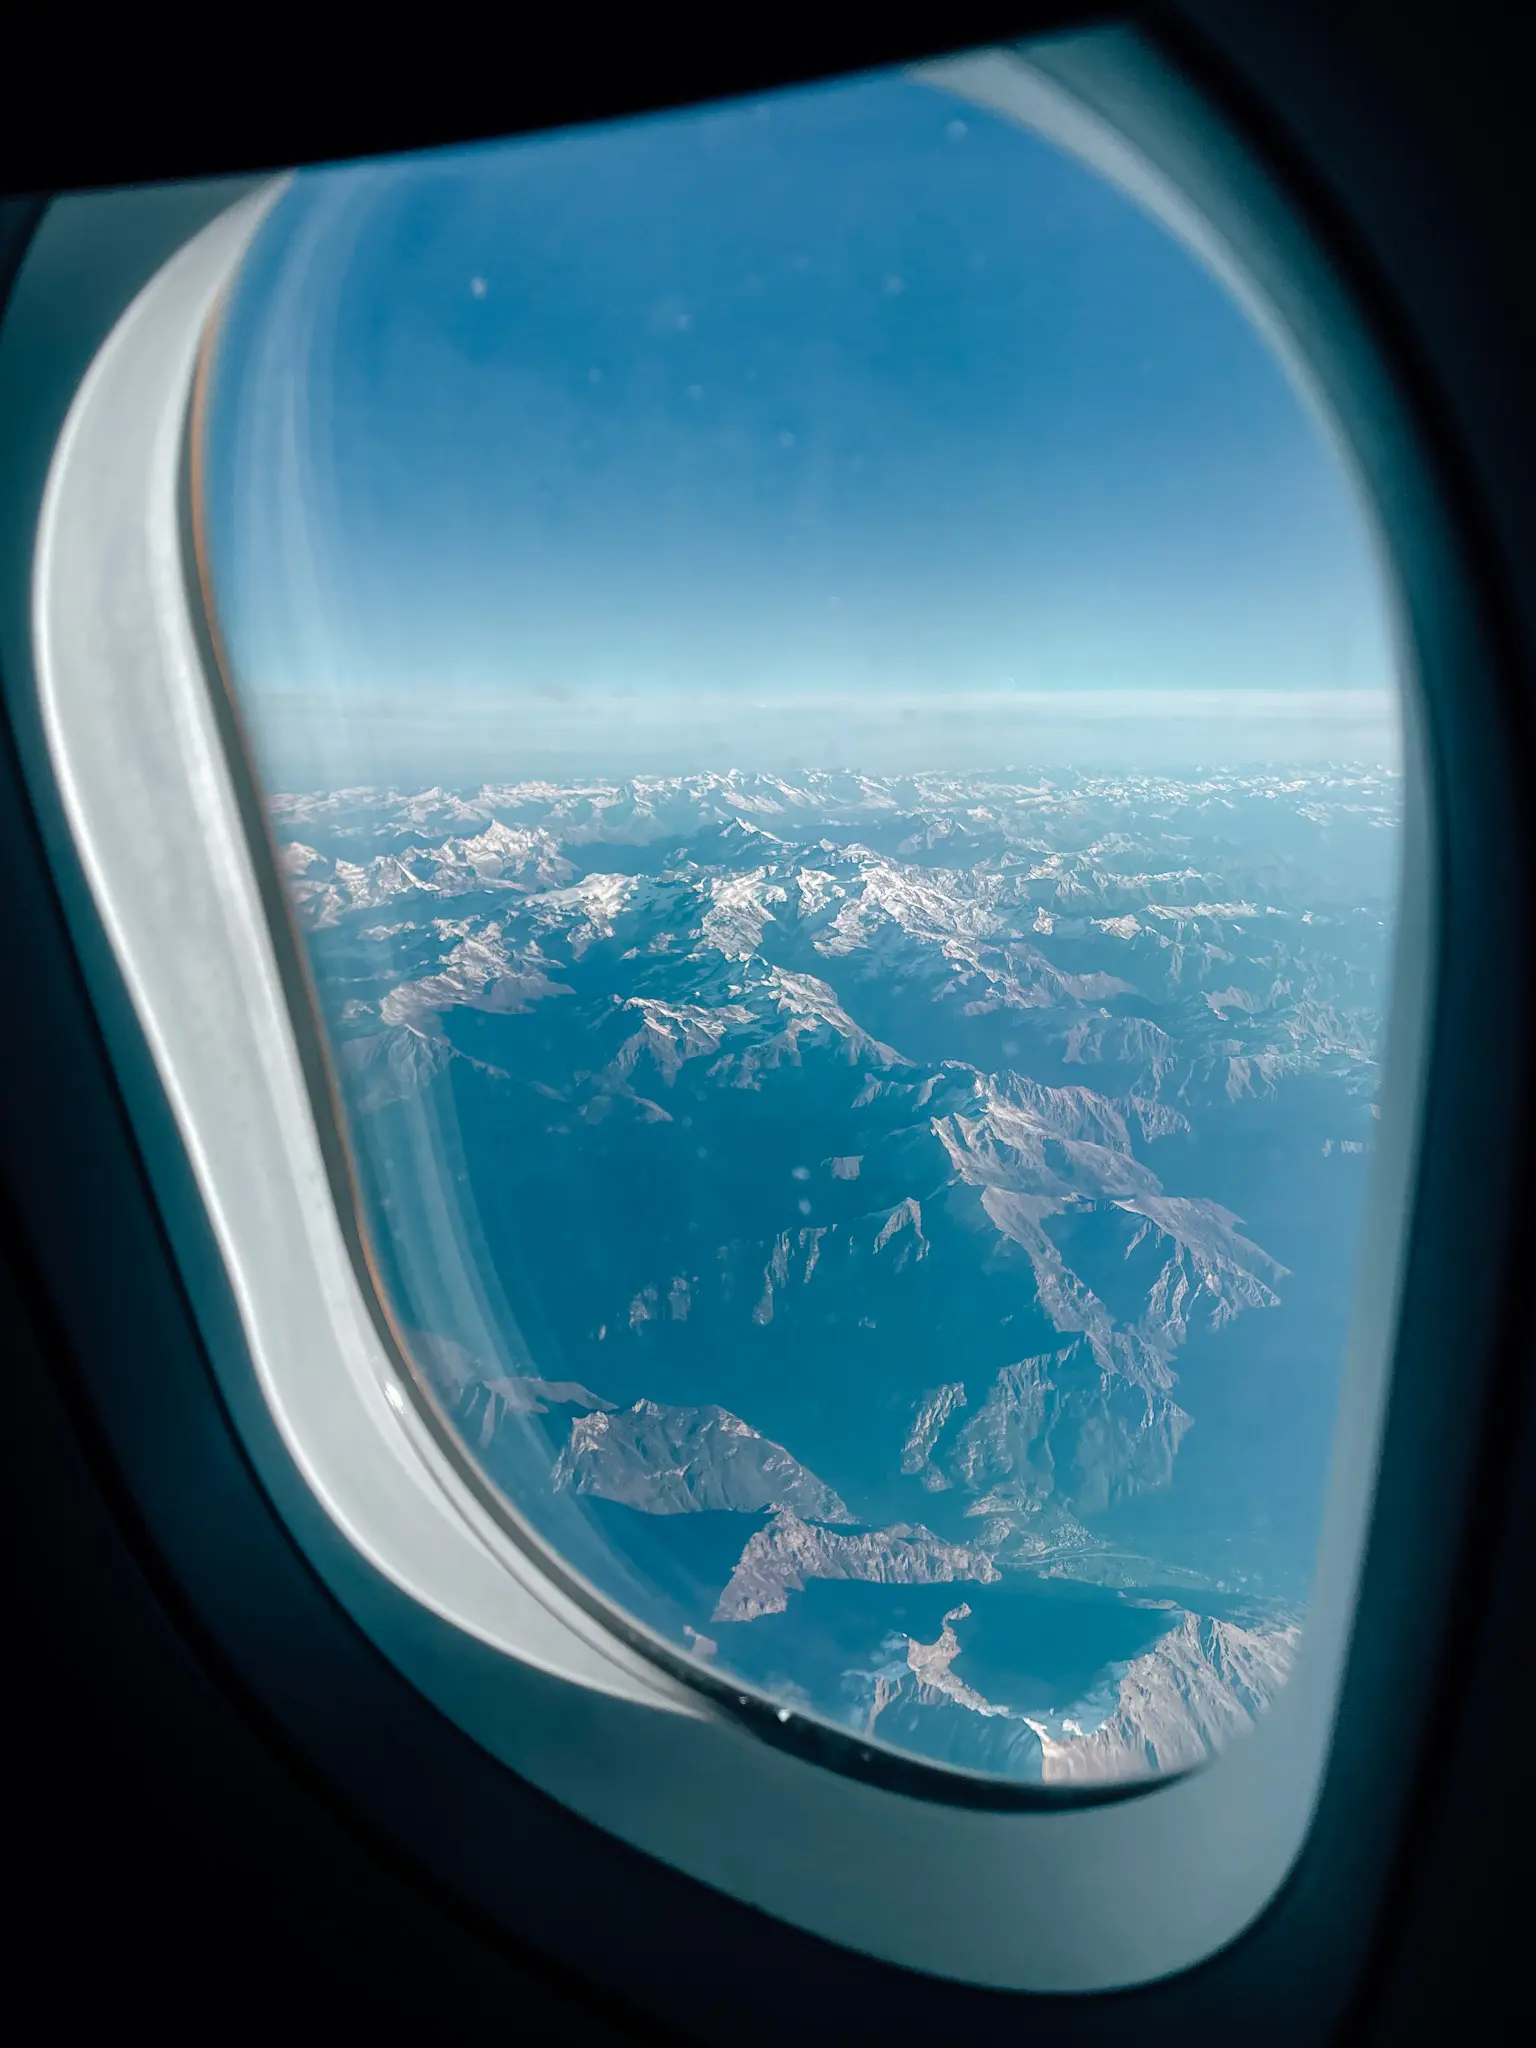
(1181, 1702)
(478, 970)
(1203, 1683)
(959, 1129)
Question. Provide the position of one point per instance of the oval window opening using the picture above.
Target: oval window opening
(829, 719)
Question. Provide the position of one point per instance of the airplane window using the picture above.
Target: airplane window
(828, 715)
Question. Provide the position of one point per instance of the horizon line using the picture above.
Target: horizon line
(1188, 773)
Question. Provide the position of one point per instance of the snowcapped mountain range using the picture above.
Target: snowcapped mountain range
(911, 1165)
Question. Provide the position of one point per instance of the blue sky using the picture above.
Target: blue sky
(850, 423)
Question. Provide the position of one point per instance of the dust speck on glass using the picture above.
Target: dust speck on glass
(830, 720)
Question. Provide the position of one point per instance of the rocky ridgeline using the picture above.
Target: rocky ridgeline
(674, 1461)
(1182, 1701)
(1005, 1019)
(1168, 1709)
(781, 1558)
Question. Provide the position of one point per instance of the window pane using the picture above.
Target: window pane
(829, 719)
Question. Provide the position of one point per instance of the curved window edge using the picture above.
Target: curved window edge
(573, 1709)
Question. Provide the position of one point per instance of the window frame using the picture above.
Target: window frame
(1440, 634)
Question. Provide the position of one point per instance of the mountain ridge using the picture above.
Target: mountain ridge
(966, 1135)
